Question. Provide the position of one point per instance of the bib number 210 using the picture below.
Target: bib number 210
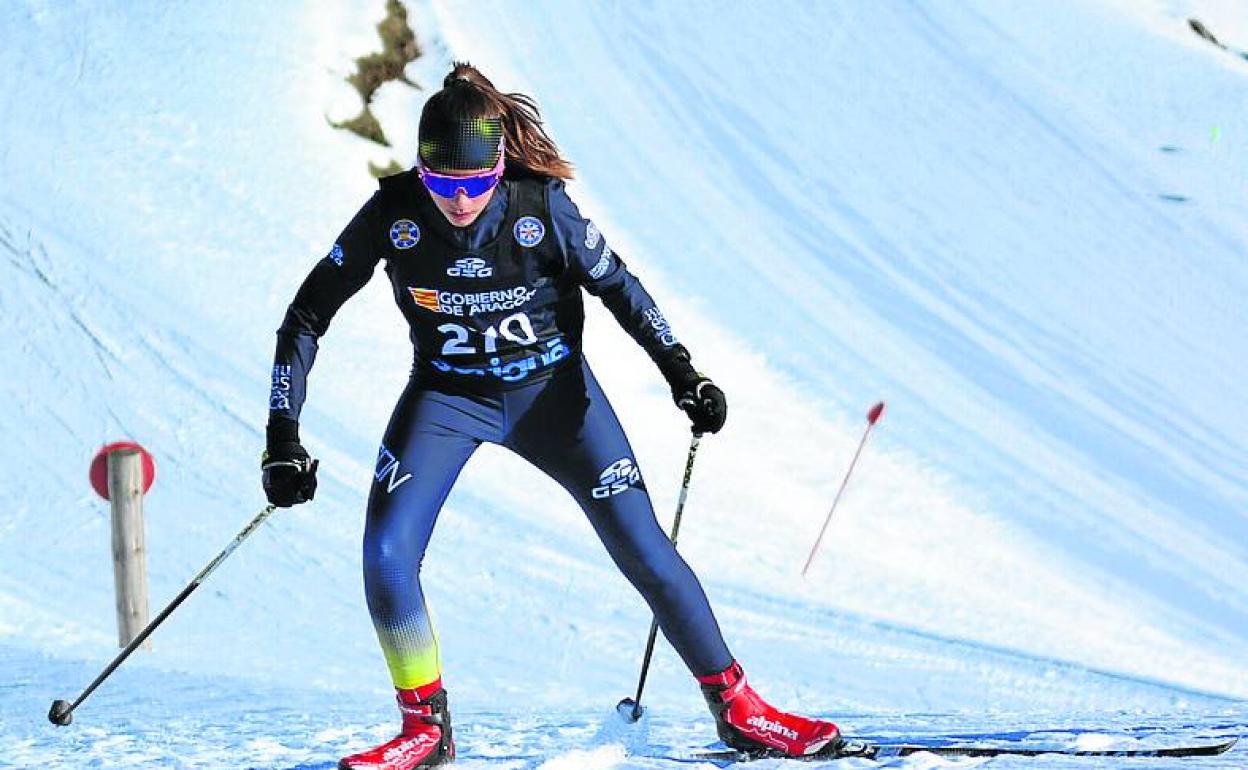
(514, 328)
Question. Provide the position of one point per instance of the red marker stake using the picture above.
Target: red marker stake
(873, 416)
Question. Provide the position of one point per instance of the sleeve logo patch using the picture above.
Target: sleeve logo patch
(592, 236)
(335, 255)
(279, 395)
(662, 329)
(604, 264)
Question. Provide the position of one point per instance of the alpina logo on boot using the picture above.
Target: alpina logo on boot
(766, 725)
(413, 745)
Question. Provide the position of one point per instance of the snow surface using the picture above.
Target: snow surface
(1023, 225)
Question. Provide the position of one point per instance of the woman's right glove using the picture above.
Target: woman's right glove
(693, 392)
(288, 474)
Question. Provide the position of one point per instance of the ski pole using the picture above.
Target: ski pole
(630, 708)
(872, 417)
(62, 712)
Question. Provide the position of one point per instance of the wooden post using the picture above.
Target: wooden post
(125, 492)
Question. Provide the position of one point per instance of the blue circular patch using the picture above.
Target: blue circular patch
(404, 234)
(529, 231)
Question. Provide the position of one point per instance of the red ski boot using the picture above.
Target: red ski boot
(747, 723)
(424, 741)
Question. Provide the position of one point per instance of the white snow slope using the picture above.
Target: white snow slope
(1023, 225)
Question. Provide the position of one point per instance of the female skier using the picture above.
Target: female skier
(487, 256)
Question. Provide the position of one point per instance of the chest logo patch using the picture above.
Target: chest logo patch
(471, 303)
(404, 234)
(529, 231)
(470, 267)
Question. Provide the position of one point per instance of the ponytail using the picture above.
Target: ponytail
(467, 94)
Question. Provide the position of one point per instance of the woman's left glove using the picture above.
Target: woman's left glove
(693, 392)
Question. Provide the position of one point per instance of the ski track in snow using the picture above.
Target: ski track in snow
(149, 718)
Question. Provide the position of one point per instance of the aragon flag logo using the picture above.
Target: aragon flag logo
(426, 298)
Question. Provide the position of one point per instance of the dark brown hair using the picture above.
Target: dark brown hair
(467, 94)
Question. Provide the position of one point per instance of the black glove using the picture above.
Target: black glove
(693, 392)
(288, 474)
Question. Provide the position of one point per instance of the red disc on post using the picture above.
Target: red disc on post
(99, 466)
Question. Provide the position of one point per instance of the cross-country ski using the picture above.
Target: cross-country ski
(883, 751)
